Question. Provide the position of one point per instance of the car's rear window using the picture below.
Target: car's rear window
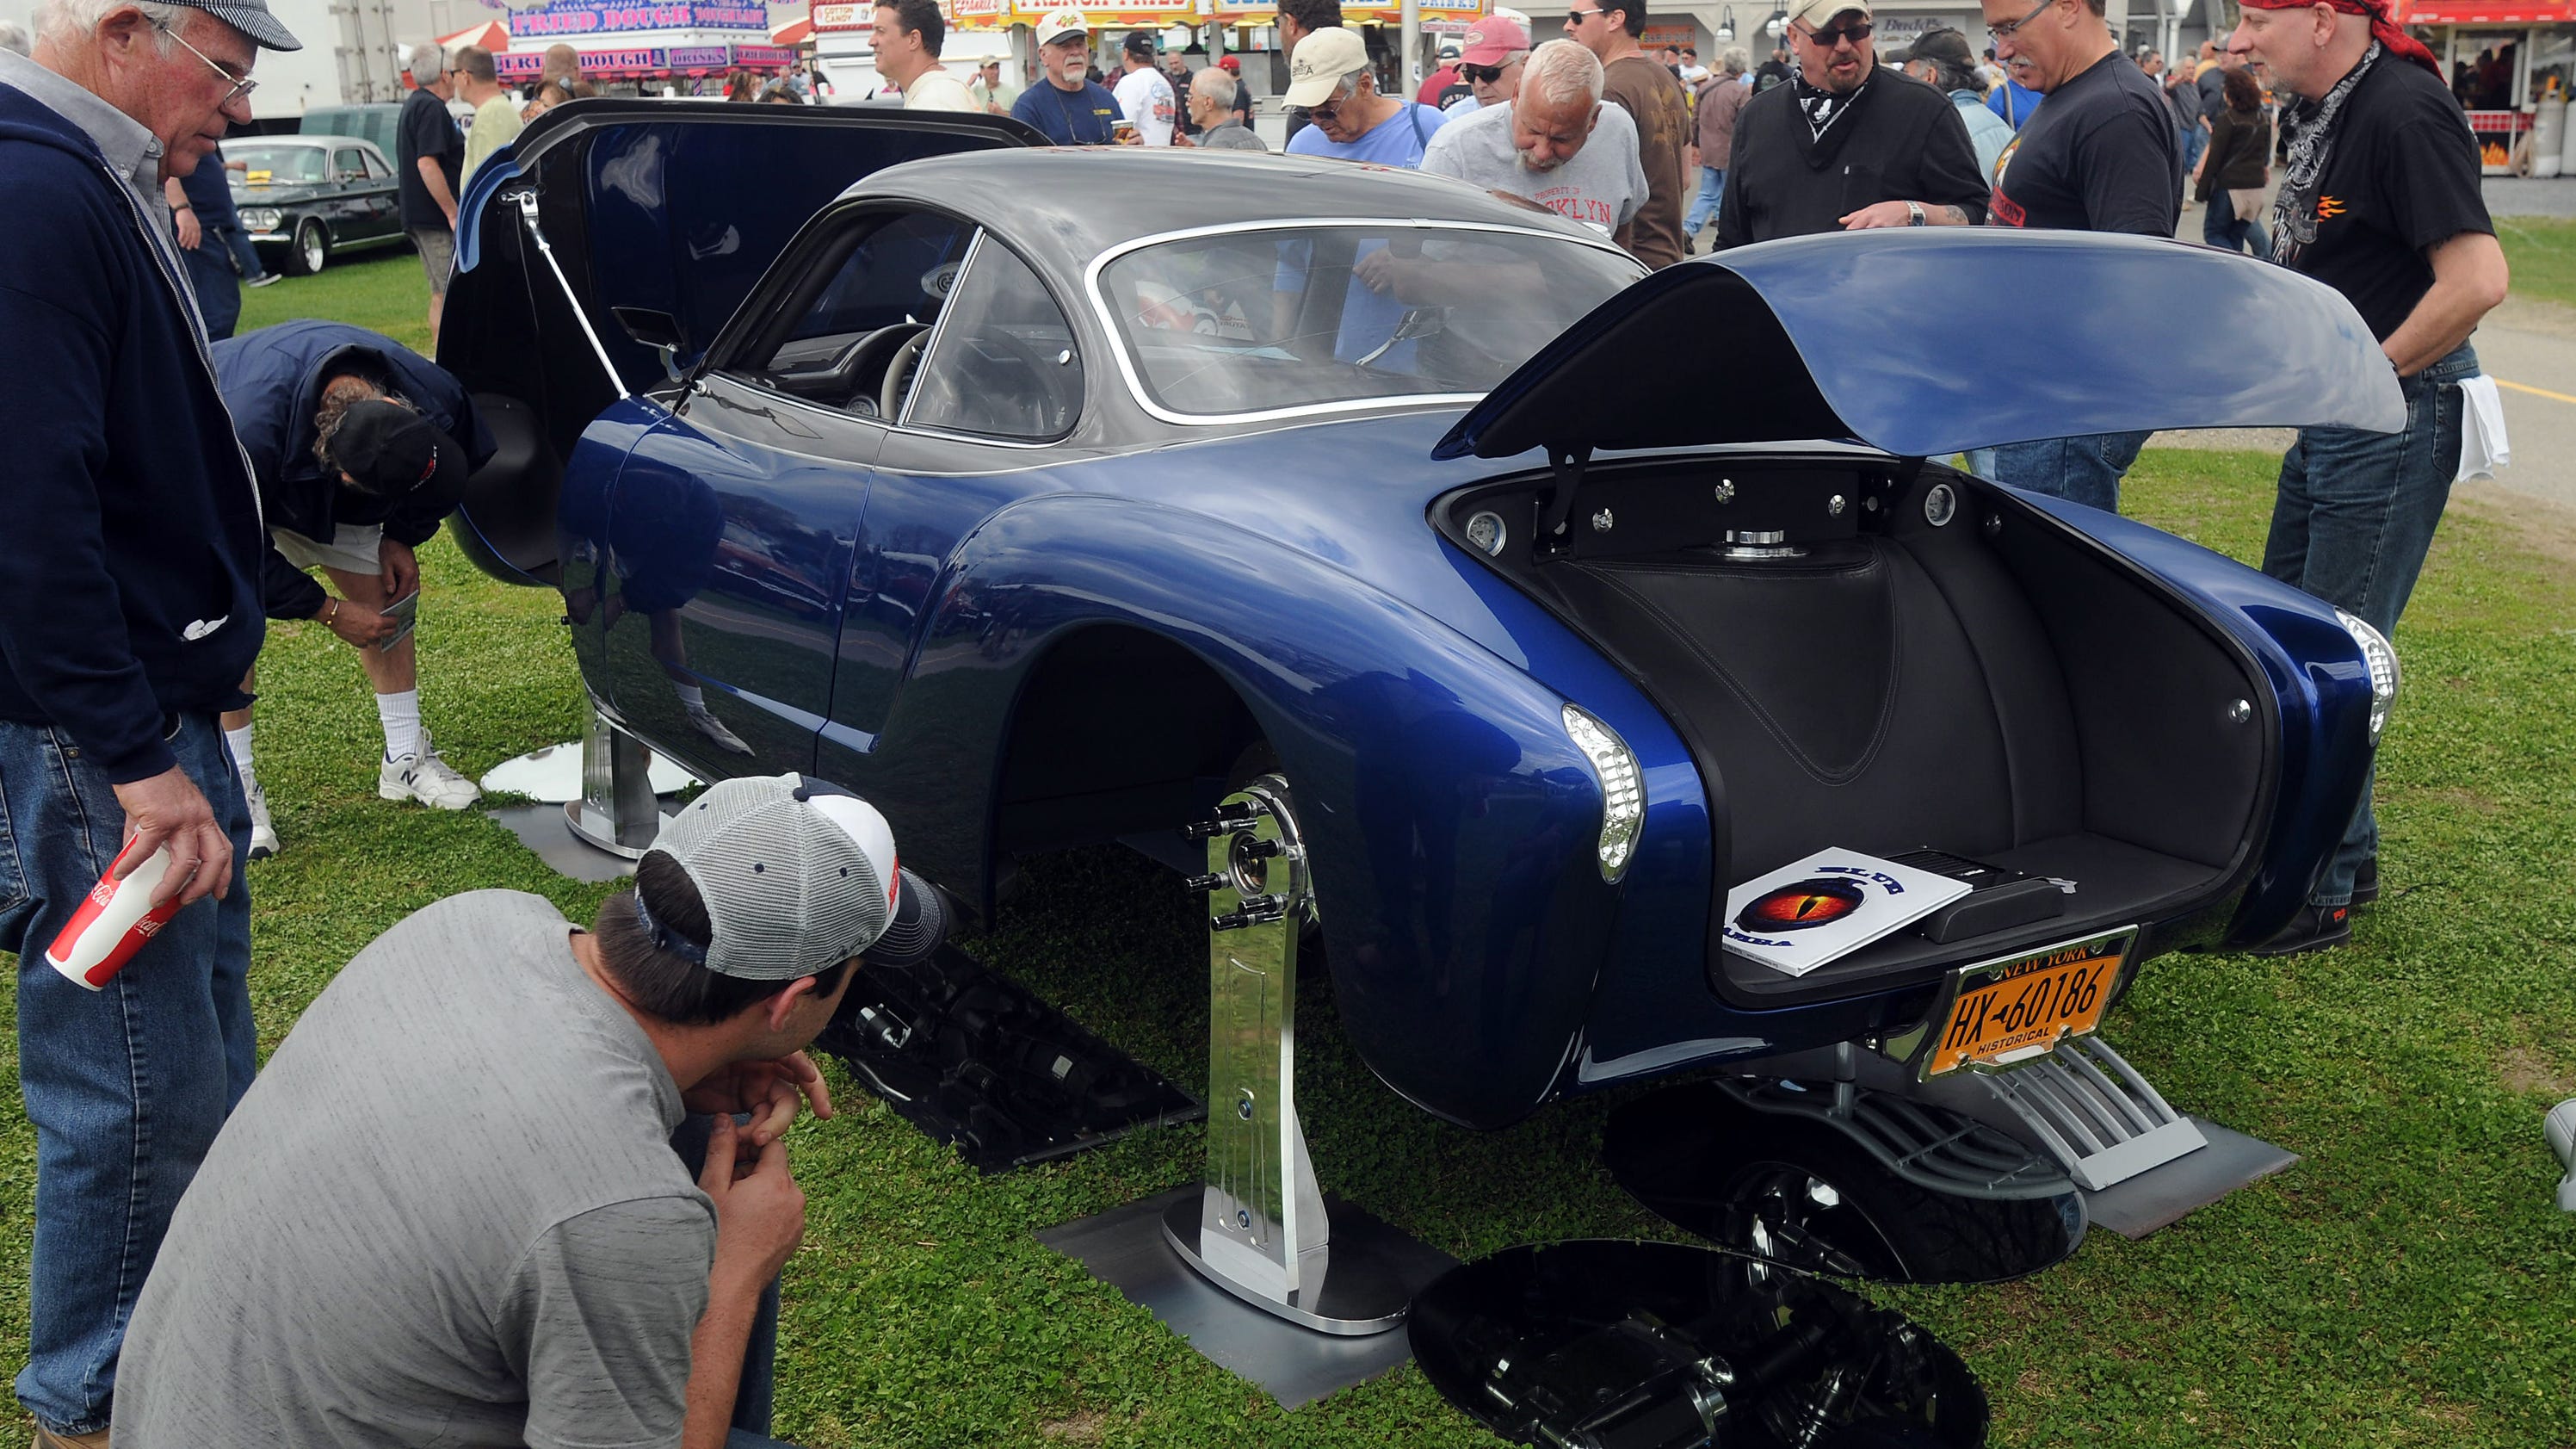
(1270, 320)
(276, 165)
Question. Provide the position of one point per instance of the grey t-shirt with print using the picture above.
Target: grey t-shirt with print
(1603, 183)
(447, 1213)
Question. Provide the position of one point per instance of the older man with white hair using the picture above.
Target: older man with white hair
(129, 611)
(1555, 144)
(1212, 120)
(429, 169)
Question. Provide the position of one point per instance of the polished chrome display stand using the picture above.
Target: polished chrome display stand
(1260, 1227)
(617, 811)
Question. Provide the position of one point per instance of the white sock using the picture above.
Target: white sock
(692, 698)
(238, 741)
(401, 716)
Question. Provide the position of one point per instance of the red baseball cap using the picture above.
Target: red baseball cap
(1227, 62)
(1491, 40)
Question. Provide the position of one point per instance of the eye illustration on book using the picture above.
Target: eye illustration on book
(1802, 906)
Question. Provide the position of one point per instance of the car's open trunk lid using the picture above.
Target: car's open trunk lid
(1929, 342)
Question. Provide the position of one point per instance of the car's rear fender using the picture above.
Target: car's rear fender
(1454, 823)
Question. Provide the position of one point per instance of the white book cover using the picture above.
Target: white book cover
(1829, 905)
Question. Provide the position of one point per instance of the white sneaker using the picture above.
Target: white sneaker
(705, 723)
(427, 778)
(263, 835)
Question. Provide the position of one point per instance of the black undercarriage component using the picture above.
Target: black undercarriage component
(1610, 1345)
(970, 1057)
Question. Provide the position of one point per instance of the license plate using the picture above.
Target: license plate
(2015, 1007)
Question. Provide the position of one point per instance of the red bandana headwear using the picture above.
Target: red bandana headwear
(2382, 28)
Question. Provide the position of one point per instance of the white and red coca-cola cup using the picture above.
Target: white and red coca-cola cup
(114, 921)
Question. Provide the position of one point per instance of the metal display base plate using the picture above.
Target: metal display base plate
(541, 829)
(1365, 1291)
(2160, 1196)
(552, 776)
(1127, 1248)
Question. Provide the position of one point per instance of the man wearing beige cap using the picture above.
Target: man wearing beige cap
(1066, 104)
(457, 1207)
(1329, 75)
(1843, 146)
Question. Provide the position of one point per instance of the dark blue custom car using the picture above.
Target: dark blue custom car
(1042, 496)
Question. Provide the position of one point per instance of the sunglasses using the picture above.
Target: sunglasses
(1482, 74)
(1856, 32)
(1574, 18)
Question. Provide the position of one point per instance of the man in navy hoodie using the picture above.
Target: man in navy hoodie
(129, 611)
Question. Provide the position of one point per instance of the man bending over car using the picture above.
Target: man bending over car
(453, 1208)
(361, 446)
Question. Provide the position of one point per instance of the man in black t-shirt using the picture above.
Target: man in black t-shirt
(2380, 201)
(430, 153)
(2098, 157)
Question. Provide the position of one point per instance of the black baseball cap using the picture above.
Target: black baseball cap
(1138, 43)
(394, 452)
(251, 18)
(1943, 46)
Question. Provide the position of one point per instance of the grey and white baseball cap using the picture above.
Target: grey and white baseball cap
(798, 875)
(251, 18)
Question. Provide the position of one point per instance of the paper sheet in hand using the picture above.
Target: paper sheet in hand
(1829, 905)
(404, 612)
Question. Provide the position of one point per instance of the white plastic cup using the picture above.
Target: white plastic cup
(115, 920)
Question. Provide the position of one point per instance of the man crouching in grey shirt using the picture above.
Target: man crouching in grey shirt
(449, 1211)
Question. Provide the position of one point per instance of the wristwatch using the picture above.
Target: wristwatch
(1914, 213)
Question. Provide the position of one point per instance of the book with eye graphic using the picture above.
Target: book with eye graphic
(1829, 905)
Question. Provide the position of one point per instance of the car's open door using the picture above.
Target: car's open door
(610, 218)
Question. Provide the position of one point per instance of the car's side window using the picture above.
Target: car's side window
(869, 321)
(1005, 364)
(348, 163)
(377, 170)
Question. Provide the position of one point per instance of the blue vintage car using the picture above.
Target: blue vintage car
(1048, 496)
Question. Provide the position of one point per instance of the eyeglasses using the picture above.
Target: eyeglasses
(1574, 18)
(1483, 74)
(242, 85)
(1856, 32)
(2006, 31)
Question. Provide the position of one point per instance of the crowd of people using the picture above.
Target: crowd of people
(525, 1256)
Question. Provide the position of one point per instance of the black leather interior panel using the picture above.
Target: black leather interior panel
(2013, 695)
(2164, 764)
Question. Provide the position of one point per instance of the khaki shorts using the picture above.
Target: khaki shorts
(437, 255)
(354, 548)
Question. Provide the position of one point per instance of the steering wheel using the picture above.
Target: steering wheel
(1043, 406)
(898, 375)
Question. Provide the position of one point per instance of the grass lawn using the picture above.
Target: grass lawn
(2542, 252)
(2406, 1284)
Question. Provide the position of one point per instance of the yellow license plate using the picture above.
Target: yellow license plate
(2020, 1006)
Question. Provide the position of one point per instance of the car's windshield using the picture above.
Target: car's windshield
(1252, 321)
(276, 165)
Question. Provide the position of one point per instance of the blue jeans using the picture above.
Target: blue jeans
(2352, 524)
(2193, 141)
(127, 1085)
(245, 255)
(1703, 207)
(218, 287)
(2081, 470)
(2221, 228)
(757, 1389)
